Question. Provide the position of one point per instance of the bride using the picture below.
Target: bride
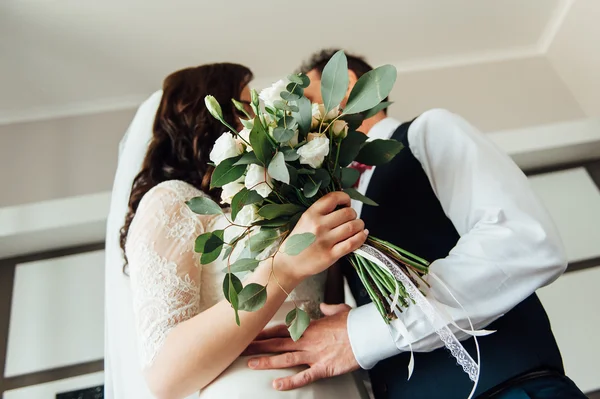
(169, 331)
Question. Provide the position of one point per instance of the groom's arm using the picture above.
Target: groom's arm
(508, 248)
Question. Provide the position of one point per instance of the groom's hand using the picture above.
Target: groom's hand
(324, 347)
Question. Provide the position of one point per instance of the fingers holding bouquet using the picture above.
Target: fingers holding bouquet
(336, 233)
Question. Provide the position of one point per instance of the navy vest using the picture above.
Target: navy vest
(410, 216)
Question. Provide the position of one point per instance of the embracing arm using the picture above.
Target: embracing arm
(183, 350)
(508, 247)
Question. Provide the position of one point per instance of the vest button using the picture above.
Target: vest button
(363, 293)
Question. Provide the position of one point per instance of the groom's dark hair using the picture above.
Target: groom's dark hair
(318, 60)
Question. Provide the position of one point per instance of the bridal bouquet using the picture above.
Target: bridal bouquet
(290, 154)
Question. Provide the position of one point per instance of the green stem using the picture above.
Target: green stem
(374, 297)
(402, 251)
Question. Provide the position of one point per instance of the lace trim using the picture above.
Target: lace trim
(450, 341)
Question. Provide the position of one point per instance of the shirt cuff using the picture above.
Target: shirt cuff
(370, 337)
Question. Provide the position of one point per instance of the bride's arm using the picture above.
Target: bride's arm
(185, 350)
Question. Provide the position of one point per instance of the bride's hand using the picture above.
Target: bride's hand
(338, 232)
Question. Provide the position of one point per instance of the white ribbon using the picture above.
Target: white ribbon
(432, 314)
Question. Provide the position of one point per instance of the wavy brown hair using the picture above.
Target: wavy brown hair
(184, 132)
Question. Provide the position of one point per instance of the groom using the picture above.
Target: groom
(453, 198)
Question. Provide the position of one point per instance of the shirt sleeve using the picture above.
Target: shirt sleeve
(508, 246)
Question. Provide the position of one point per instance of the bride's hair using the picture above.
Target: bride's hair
(184, 132)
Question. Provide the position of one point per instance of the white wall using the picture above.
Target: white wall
(571, 302)
(575, 53)
(57, 314)
(75, 156)
(493, 96)
(60, 157)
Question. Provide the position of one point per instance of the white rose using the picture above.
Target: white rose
(229, 190)
(258, 180)
(273, 93)
(225, 147)
(316, 116)
(314, 152)
(312, 136)
(339, 129)
(330, 115)
(245, 136)
(247, 215)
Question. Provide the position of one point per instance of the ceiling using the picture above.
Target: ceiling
(72, 56)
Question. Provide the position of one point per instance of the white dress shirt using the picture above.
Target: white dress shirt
(508, 246)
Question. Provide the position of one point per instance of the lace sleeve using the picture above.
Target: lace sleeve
(164, 270)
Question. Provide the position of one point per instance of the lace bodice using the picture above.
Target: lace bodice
(169, 285)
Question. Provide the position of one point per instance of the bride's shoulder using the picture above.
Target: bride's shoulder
(179, 188)
(168, 194)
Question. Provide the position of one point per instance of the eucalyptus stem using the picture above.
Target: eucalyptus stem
(368, 287)
(402, 251)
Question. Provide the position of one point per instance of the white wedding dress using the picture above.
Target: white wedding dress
(169, 286)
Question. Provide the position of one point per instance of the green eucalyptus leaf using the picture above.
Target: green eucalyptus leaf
(297, 321)
(227, 252)
(379, 152)
(304, 171)
(311, 188)
(371, 89)
(304, 115)
(263, 239)
(213, 247)
(231, 287)
(350, 147)
(201, 242)
(235, 305)
(282, 135)
(285, 107)
(293, 177)
(295, 88)
(204, 206)
(231, 284)
(278, 222)
(375, 110)
(323, 176)
(242, 265)
(295, 79)
(288, 122)
(227, 172)
(248, 158)
(289, 96)
(297, 243)
(354, 121)
(260, 142)
(349, 177)
(305, 80)
(252, 297)
(290, 154)
(272, 211)
(355, 195)
(334, 80)
(278, 170)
